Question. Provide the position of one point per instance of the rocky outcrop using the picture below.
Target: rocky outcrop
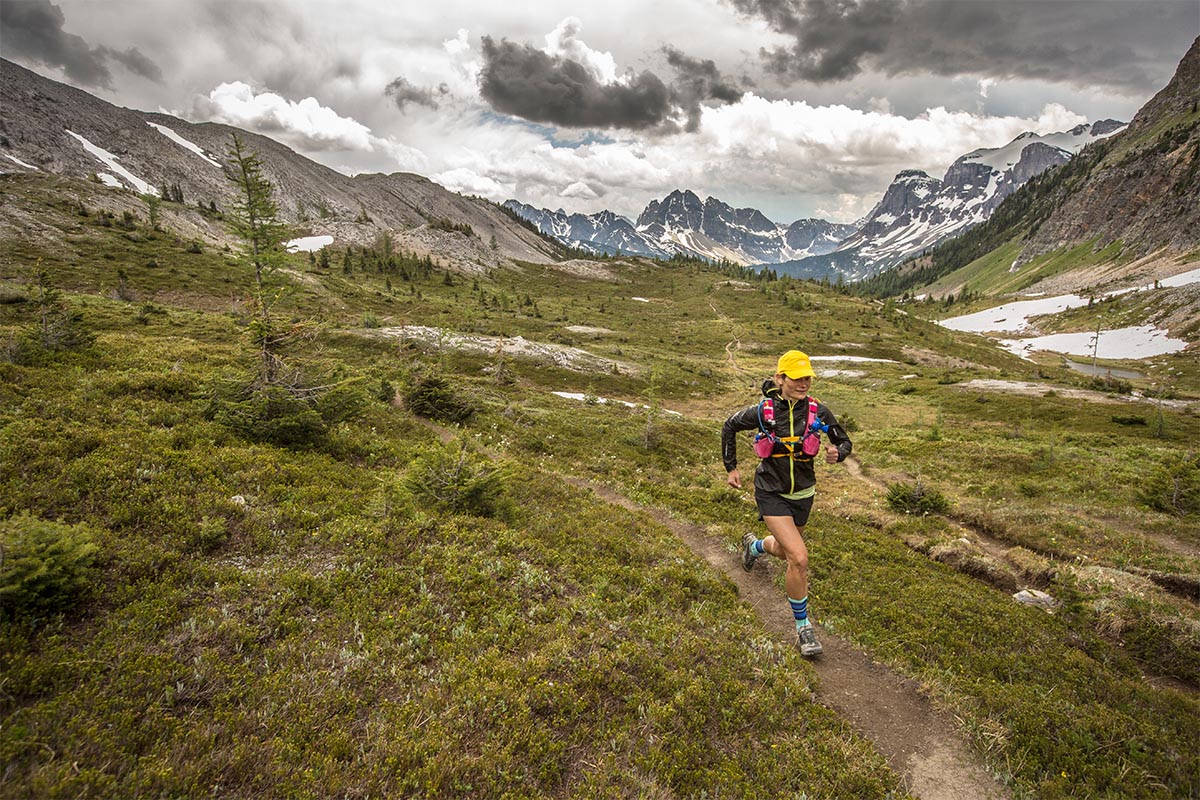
(1143, 186)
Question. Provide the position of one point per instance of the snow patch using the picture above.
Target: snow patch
(182, 142)
(1139, 341)
(605, 401)
(16, 160)
(110, 180)
(854, 359)
(110, 161)
(308, 244)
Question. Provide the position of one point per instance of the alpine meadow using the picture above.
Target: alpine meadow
(320, 486)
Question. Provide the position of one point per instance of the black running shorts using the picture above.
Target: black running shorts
(773, 505)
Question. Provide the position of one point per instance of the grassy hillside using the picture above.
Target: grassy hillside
(401, 606)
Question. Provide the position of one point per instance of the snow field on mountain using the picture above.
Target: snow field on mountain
(109, 160)
(182, 142)
(1131, 342)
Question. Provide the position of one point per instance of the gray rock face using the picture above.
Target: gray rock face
(1145, 191)
(601, 233)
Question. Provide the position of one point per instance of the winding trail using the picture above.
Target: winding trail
(922, 744)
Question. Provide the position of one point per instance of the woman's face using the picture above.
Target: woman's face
(793, 388)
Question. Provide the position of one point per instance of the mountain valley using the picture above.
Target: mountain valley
(432, 504)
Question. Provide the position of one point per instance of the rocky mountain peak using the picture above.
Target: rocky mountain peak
(918, 211)
(1177, 97)
(1106, 126)
(1145, 193)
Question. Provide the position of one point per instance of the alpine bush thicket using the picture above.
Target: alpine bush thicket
(459, 482)
(1173, 488)
(916, 498)
(44, 565)
(432, 397)
(282, 414)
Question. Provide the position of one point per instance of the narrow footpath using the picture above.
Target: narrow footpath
(921, 744)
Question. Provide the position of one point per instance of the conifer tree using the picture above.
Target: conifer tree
(277, 405)
(254, 219)
(58, 327)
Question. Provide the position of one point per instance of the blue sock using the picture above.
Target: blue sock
(800, 611)
(757, 547)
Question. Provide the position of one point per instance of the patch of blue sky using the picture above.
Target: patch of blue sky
(559, 138)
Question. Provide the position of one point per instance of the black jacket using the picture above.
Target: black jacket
(784, 475)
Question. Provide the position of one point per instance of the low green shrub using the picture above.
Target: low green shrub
(1173, 488)
(432, 397)
(459, 482)
(385, 392)
(916, 498)
(1107, 383)
(269, 414)
(44, 565)
(290, 415)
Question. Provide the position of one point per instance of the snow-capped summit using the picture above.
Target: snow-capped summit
(683, 223)
(917, 211)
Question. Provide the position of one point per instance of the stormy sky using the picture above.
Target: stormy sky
(801, 108)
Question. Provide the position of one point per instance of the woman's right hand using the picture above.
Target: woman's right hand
(734, 479)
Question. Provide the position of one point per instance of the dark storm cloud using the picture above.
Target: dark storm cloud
(33, 30)
(280, 44)
(1125, 44)
(525, 82)
(135, 62)
(403, 93)
(697, 81)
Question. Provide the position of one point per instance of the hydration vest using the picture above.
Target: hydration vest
(799, 448)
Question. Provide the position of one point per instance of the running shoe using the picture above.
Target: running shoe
(748, 554)
(807, 642)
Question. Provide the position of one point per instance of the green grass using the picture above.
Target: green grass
(342, 639)
(993, 275)
(305, 622)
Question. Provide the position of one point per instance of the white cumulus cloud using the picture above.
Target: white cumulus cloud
(580, 190)
(564, 42)
(307, 121)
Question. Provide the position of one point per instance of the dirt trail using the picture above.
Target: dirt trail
(921, 744)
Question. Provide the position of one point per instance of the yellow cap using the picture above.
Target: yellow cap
(795, 364)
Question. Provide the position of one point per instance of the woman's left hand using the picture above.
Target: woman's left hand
(831, 454)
